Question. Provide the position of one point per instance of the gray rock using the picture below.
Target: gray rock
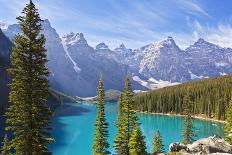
(177, 147)
(211, 145)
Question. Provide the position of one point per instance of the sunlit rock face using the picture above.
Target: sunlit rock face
(75, 66)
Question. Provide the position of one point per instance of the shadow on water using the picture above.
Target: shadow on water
(71, 110)
(67, 110)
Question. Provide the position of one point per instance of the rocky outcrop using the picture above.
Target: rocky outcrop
(211, 145)
(177, 147)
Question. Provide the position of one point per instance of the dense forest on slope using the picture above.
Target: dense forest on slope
(209, 97)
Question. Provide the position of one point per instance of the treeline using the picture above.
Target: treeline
(209, 97)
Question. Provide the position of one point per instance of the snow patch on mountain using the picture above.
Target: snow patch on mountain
(195, 77)
(75, 39)
(221, 64)
(75, 66)
(223, 73)
(152, 83)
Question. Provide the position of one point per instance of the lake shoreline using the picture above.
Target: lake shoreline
(171, 114)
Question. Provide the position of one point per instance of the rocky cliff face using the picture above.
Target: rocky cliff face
(166, 61)
(91, 63)
(75, 66)
(5, 51)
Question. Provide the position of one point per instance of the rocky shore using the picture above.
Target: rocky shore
(213, 145)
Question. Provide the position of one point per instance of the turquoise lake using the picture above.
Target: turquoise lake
(73, 126)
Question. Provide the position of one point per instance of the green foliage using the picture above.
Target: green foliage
(127, 120)
(188, 133)
(209, 97)
(28, 116)
(158, 146)
(6, 146)
(101, 145)
(120, 103)
(120, 139)
(228, 126)
(137, 145)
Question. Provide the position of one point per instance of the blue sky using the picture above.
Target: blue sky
(134, 22)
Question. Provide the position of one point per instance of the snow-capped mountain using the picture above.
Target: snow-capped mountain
(166, 61)
(161, 61)
(204, 59)
(75, 66)
(93, 63)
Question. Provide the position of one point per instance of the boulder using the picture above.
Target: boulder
(211, 145)
(177, 147)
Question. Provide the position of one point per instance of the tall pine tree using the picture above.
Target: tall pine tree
(137, 145)
(228, 126)
(120, 139)
(158, 146)
(101, 145)
(28, 116)
(127, 121)
(188, 133)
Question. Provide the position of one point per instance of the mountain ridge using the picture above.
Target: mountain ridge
(73, 60)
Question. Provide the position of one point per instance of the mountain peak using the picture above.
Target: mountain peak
(46, 22)
(169, 38)
(168, 41)
(72, 39)
(201, 42)
(121, 47)
(102, 46)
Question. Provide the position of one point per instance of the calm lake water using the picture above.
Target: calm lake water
(73, 127)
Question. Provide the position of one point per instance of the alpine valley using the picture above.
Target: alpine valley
(75, 66)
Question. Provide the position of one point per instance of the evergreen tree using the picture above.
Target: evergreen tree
(137, 145)
(127, 121)
(228, 126)
(120, 104)
(28, 116)
(158, 146)
(6, 146)
(188, 133)
(101, 145)
(186, 107)
(120, 139)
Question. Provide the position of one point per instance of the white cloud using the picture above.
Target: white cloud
(135, 27)
(192, 7)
